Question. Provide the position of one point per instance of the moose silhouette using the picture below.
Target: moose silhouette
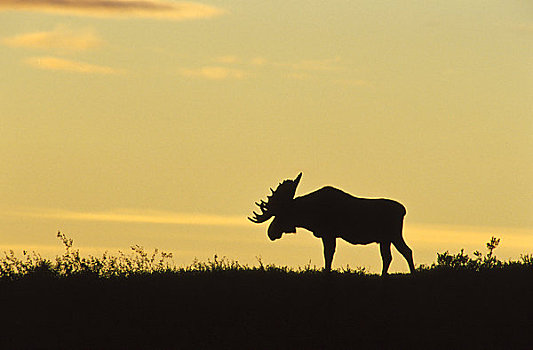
(330, 213)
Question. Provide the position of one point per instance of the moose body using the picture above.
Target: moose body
(330, 213)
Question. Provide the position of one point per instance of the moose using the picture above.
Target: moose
(330, 213)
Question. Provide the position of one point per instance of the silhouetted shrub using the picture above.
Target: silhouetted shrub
(479, 262)
(70, 263)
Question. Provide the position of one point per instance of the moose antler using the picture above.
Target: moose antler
(277, 200)
(265, 214)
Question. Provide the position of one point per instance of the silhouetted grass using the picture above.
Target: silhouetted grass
(136, 263)
(142, 300)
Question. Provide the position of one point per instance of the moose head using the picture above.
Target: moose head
(278, 205)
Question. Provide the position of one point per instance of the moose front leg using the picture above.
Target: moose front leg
(386, 256)
(329, 249)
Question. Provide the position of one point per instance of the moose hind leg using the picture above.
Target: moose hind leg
(386, 256)
(406, 252)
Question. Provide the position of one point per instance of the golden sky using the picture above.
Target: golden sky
(159, 122)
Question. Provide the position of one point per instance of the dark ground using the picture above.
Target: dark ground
(269, 310)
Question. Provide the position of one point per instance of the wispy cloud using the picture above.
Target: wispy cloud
(227, 59)
(237, 67)
(135, 216)
(61, 38)
(60, 64)
(258, 61)
(300, 70)
(214, 73)
(329, 64)
(116, 8)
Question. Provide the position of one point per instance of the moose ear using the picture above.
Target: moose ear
(297, 180)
